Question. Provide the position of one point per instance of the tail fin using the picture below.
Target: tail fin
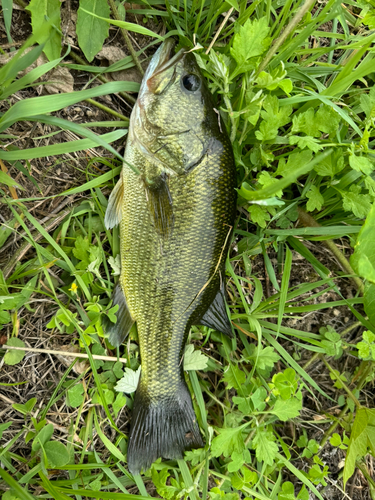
(162, 428)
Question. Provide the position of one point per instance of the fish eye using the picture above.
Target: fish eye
(191, 83)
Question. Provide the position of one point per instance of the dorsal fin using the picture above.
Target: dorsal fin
(160, 204)
(216, 316)
(117, 332)
(113, 214)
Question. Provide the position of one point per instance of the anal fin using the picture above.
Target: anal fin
(159, 200)
(113, 214)
(216, 316)
(117, 332)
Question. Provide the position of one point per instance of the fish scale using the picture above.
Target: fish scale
(175, 220)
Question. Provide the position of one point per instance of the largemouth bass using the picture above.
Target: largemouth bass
(175, 217)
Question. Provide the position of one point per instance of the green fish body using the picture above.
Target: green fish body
(175, 219)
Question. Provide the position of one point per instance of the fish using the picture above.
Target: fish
(175, 205)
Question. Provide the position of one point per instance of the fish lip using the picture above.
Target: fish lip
(165, 61)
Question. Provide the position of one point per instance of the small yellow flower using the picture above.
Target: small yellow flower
(74, 288)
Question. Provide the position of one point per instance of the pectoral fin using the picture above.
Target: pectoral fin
(117, 332)
(113, 214)
(160, 204)
(216, 316)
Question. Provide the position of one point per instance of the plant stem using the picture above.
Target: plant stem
(126, 37)
(284, 35)
(309, 221)
(64, 353)
(107, 110)
(338, 376)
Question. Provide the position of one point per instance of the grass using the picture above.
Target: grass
(291, 395)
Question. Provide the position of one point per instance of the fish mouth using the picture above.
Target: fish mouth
(163, 63)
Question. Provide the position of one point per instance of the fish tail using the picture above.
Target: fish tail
(163, 427)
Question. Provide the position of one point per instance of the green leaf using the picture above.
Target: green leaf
(5, 318)
(325, 120)
(316, 200)
(8, 181)
(12, 357)
(160, 480)
(353, 201)
(47, 12)
(285, 383)
(75, 395)
(331, 165)
(274, 117)
(4, 427)
(42, 437)
(250, 41)
(91, 31)
(136, 28)
(305, 142)
(25, 408)
(194, 360)
(259, 215)
(119, 403)
(265, 446)
(234, 377)
(294, 161)
(264, 358)
(369, 302)
(361, 164)
(287, 409)
(57, 454)
(363, 258)
(129, 381)
(361, 437)
(228, 441)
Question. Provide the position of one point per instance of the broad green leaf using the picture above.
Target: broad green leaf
(259, 215)
(194, 360)
(274, 117)
(57, 454)
(269, 191)
(287, 409)
(234, 376)
(12, 357)
(265, 358)
(369, 302)
(250, 41)
(42, 437)
(129, 382)
(361, 164)
(360, 438)
(294, 161)
(75, 395)
(363, 258)
(228, 441)
(354, 201)
(305, 142)
(47, 12)
(316, 200)
(91, 31)
(265, 446)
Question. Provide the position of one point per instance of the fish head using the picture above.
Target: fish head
(173, 121)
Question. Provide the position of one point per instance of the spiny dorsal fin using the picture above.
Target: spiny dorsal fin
(117, 332)
(113, 214)
(216, 316)
(160, 204)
